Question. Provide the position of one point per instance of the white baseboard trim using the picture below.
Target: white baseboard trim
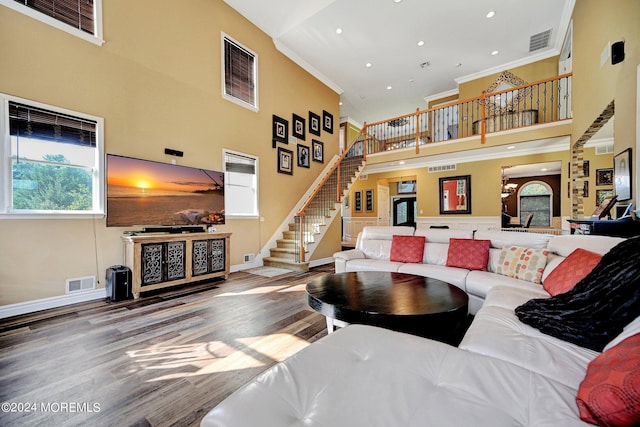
(52, 302)
(62, 300)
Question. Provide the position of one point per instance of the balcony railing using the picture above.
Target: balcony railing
(544, 101)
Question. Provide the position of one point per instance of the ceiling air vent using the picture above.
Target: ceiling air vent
(442, 168)
(539, 41)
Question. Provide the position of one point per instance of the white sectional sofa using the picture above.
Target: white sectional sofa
(373, 249)
(503, 373)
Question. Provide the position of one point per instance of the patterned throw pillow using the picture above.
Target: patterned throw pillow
(468, 253)
(609, 394)
(407, 248)
(570, 271)
(522, 263)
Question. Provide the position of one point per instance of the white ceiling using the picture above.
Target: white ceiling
(385, 34)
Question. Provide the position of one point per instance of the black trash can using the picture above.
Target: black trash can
(119, 283)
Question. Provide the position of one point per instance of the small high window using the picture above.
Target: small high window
(240, 70)
(82, 18)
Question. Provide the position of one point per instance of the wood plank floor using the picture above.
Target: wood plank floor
(163, 360)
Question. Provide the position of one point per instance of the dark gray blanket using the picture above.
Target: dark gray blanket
(599, 306)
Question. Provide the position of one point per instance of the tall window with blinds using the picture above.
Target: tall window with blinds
(240, 184)
(55, 161)
(240, 67)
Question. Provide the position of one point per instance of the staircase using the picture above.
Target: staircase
(322, 207)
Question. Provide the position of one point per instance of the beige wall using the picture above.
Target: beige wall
(530, 73)
(157, 83)
(485, 184)
(595, 24)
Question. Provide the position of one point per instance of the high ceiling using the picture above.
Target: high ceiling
(458, 43)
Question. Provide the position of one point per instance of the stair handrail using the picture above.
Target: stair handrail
(343, 155)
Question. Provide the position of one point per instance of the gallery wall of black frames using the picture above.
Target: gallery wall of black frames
(304, 153)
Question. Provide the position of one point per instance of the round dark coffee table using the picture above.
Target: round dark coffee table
(403, 302)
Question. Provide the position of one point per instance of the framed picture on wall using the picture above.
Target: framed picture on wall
(327, 121)
(585, 168)
(604, 176)
(622, 175)
(299, 127)
(280, 130)
(314, 123)
(368, 196)
(602, 195)
(303, 156)
(357, 201)
(285, 161)
(455, 194)
(318, 150)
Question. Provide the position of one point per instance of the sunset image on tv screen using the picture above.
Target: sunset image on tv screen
(143, 192)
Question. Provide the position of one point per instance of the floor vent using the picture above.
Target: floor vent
(442, 168)
(81, 284)
(539, 41)
(604, 149)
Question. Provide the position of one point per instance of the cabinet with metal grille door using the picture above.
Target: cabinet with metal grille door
(161, 260)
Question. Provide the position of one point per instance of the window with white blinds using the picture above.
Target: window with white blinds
(239, 72)
(82, 18)
(240, 184)
(54, 160)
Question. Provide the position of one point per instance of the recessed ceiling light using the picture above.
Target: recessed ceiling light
(397, 1)
(420, 43)
(401, 162)
(411, 80)
(338, 30)
(340, 103)
(511, 147)
(389, 87)
(459, 64)
(543, 169)
(368, 65)
(491, 14)
(495, 52)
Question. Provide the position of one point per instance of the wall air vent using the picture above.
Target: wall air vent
(81, 284)
(604, 149)
(364, 176)
(442, 168)
(539, 41)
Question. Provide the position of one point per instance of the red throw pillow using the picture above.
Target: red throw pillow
(609, 394)
(468, 253)
(570, 271)
(407, 248)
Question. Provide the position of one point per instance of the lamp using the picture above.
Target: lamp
(507, 188)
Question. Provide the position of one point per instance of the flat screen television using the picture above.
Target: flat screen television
(148, 193)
